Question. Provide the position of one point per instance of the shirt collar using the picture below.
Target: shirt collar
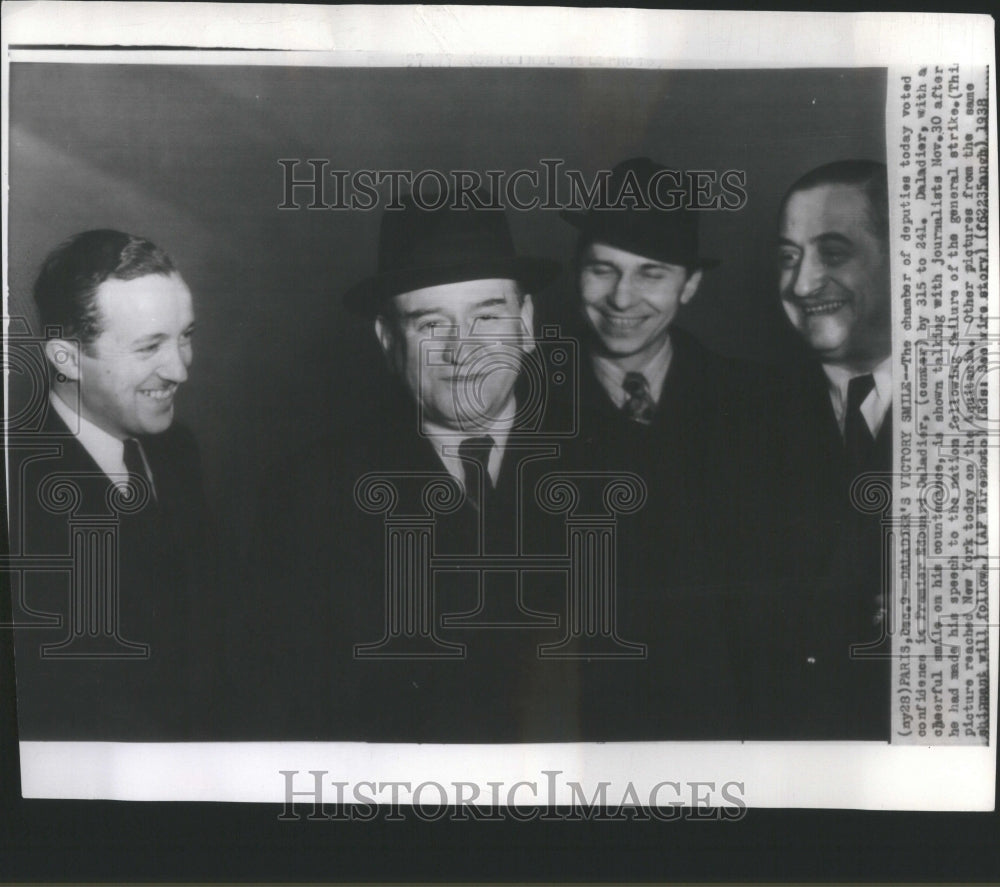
(612, 377)
(105, 449)
(840, 378)
(883, 379)
(446, 441)
(875, 406)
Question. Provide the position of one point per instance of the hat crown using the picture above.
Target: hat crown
(425, 235)
(438, 239)
(644, 214)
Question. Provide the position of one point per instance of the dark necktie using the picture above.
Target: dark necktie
(639, 404)
(138, 478)
(858, 441)
(475, 455)
(861, 456)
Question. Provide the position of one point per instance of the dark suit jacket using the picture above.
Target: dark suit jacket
(163, 568)
(693, 548)
(704, 457)
(323, 570)
(795, 633)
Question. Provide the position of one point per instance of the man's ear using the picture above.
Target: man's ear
(691, 287)
(64, 355)
(528, 319)
(385, 334)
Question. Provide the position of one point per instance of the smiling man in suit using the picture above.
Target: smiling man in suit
(112, 483)
(833, 259)
(834, 274)
(448, 425)
(817, 658)
(654, 399)
(690, 422)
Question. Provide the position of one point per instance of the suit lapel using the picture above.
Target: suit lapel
(883, 444)
(76, 461)
(823, 419)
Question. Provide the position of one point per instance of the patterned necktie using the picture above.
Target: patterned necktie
(475, 455)
(858, 441)
(639, 404)
(138, 479)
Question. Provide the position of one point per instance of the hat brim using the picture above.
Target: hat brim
(581, 220)
(367, 297)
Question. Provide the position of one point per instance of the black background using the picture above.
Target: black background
(76, 841)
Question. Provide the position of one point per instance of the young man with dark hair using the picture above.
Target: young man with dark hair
(110, 492)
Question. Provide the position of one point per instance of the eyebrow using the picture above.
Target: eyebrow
(828, 237)
(156, 338)
(664, 266)
(421, 312)
(833, 237)
(151, 339)
(491, 302)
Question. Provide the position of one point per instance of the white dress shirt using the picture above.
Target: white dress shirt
(875, 405)
(446, 442)
(105, 449)
(612, 376)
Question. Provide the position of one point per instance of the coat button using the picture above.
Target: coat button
(811, 660)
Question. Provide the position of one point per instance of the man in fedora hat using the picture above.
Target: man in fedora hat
(444, 451)
(452, 309)
(656, 402)
(637, 265)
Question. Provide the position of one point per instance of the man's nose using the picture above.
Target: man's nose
(466, 349)
(622, 295)
(175, 365)
(810, 275)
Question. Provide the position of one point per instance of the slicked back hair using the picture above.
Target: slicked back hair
(66, 289)
(868, 176)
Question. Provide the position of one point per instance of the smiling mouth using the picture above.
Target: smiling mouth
(465, 377)
(160, 395)
(819, 308)
(621, 324)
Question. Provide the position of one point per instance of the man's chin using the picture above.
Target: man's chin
(824, 340)
(157, 424)
(471, 417)
(618, 347)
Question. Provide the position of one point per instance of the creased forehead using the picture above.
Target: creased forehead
(828, 208)
(455, 297)
(602, 252)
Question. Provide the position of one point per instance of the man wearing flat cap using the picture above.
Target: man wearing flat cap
(432, 466)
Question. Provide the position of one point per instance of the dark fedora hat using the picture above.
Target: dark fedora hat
(638, 218)
(430, 242)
